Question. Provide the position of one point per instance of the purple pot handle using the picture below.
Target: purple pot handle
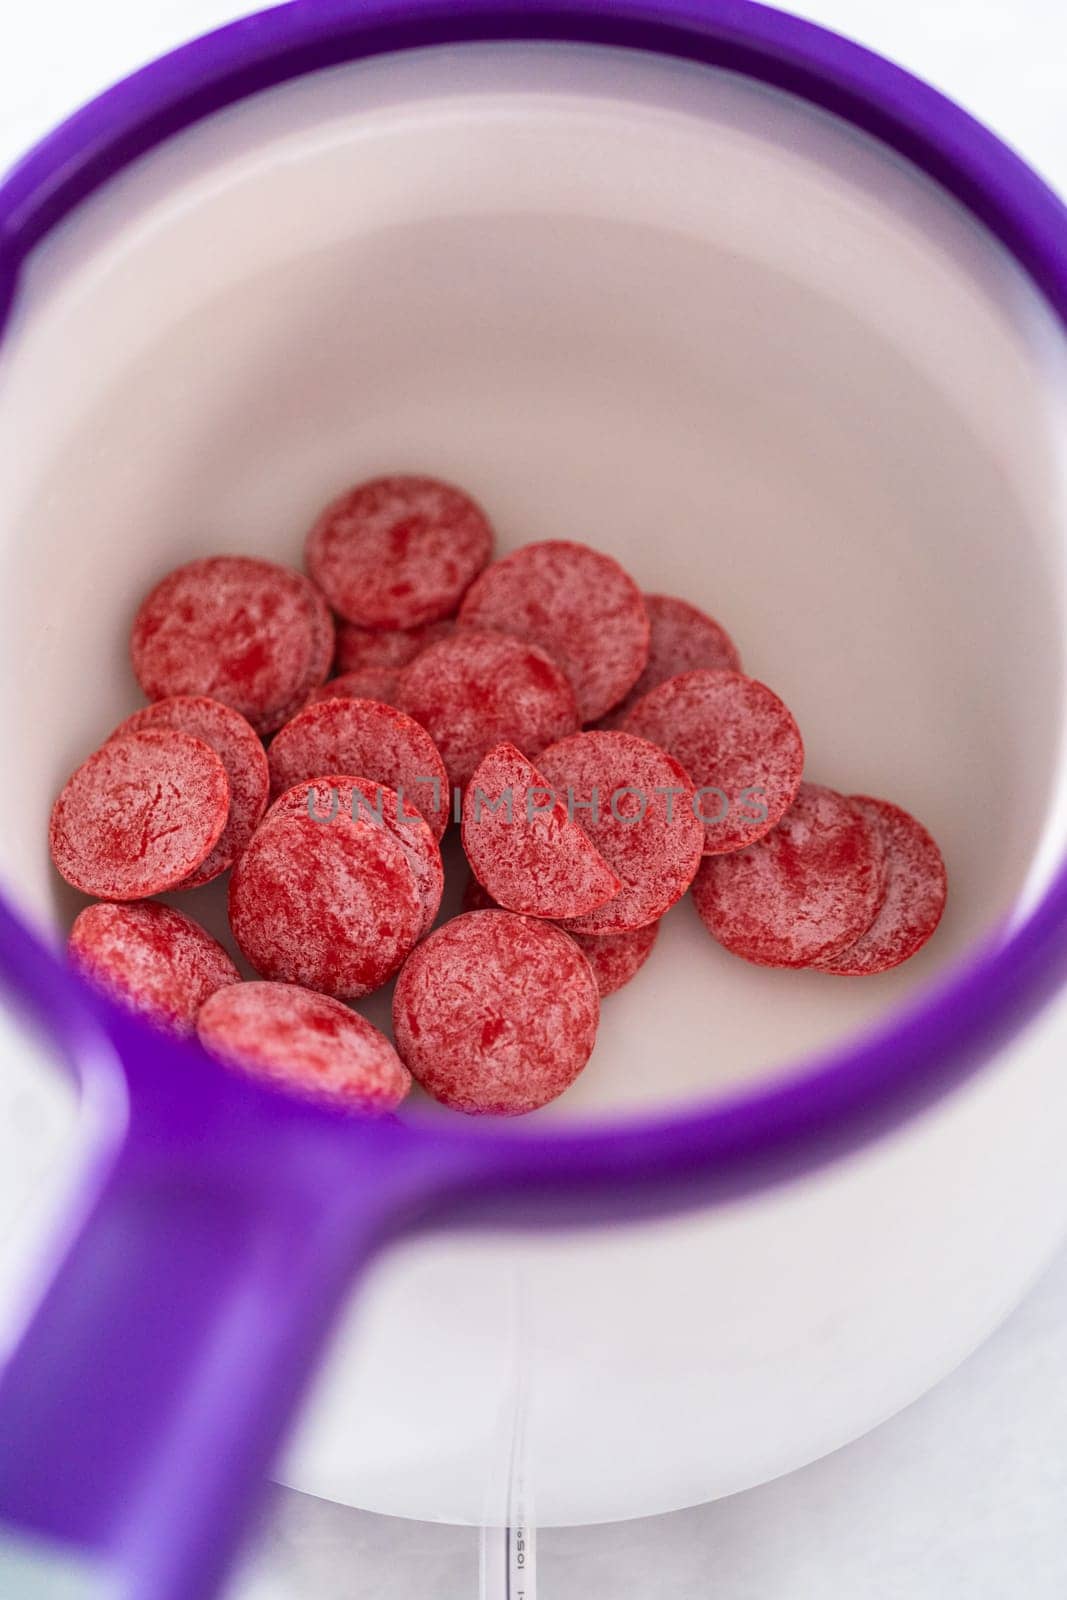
(145, 1405)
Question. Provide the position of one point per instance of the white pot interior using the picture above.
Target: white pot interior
(691, 321)
(622, 300)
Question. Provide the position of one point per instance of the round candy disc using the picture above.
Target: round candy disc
(140, 815)
(738, 743)
(579, 606)
(802, 893)
(476, 690)
(327, 800)
(237, 746)
(617, 957)
(333, 908)
(390, 648)
(151, 959)
(368, 740)
(495, 1013)
(250, 633)
(916, 887)
(529, 854)
(614, 957)
(365, 683)
(682, 639)
(306, 1042)
(397, 552)
(636, 805)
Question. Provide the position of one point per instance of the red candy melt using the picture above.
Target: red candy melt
(328, 799)
(368, 740)
(334, 908)
(365, 683)
(617, 957)
(614, 957)
(496, 1013)
(579, 606)
(682, 639)
(384, 648)
(238, 747)
(152, 959)
(916, 888)
(527, 852)
(255, 635)
(140, 816)
(635, 803)
(476, 690)
(306, 1042)
(397, 552)
(802, 894)
(738, 743)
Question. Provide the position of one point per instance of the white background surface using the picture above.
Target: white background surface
(964, 1494)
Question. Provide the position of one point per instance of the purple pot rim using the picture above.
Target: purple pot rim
(845, 1096)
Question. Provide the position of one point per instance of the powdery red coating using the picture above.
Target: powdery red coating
(617, 957)
(238, 747)
(476, 690)
(333, 908)
(650, 837)
(393, 648)
(330, 800)
(916, 889)
(530, 855)
(579, 606)
(255, 635)
(803, 893)
(496, 1014)
(732, 735)
(371, 740)
(682, 639)
(140, 815)
(399, 551)
(614, 957)
(306, 1042)
(151, 959)
(366, 683)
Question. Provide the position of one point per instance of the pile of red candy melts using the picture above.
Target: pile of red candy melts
(600, 749)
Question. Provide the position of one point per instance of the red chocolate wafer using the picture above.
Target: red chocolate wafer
(140, 815)
(341, 797)
(399, 551)
(636, 805)
(530, 855)
(614, 957)
(738, 743)
(496, 1013)
(255, 635)
(150, 958)
(617, 957)
(916, 888)
(476, 690)
(365, 683)
(391, 648)
(369, 740)
(579, 606)
(306, 1042)
(241, 752)
(333, 908)
(804, 892)
(682, 639)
